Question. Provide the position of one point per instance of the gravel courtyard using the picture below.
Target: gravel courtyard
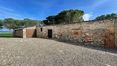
(43, 52)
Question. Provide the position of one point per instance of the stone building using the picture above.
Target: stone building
(98, 33)
(29, 32)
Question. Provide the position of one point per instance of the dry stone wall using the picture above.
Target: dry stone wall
(18, 33)
(99, 33)
(116, 32)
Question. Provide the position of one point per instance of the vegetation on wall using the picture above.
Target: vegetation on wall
(66, 16)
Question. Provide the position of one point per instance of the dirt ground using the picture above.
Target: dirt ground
(44, 52)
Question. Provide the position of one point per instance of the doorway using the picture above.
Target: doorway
(49, 33)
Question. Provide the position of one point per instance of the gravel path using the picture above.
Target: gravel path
(43, 52)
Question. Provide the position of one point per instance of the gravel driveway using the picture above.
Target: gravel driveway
(43, 52)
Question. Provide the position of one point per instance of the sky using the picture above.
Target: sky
(40, 9)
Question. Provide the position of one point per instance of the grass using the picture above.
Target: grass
(6, 34)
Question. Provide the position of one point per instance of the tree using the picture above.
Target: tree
(28, 22)
(51, 19)
(1, 24)
(107, 16)
(15, 24)
(66, 16)
(45, 22)
(10, 23)
(70, 16)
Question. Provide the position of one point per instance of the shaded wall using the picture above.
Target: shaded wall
(18, 33)
(30, 33)
(99, 33)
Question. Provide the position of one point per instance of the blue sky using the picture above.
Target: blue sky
(40, 9)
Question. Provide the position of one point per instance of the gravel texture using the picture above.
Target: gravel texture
(44, 52)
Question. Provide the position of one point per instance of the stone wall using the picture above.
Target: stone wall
(18, 33)
(99, 33)
(29, 32)
(116, 32)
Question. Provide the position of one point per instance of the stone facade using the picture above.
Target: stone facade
(18, 33)
(29, 32)
(116, 32)
(99, 33)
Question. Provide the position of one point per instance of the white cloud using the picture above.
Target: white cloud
(8, 12)
(87, 17)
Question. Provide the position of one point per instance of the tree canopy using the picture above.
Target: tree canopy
(107, 16)
(15, 24)
(66, 16)
(1, 24)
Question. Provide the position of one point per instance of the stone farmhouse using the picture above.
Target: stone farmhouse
(97, 33)
(29, 32)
